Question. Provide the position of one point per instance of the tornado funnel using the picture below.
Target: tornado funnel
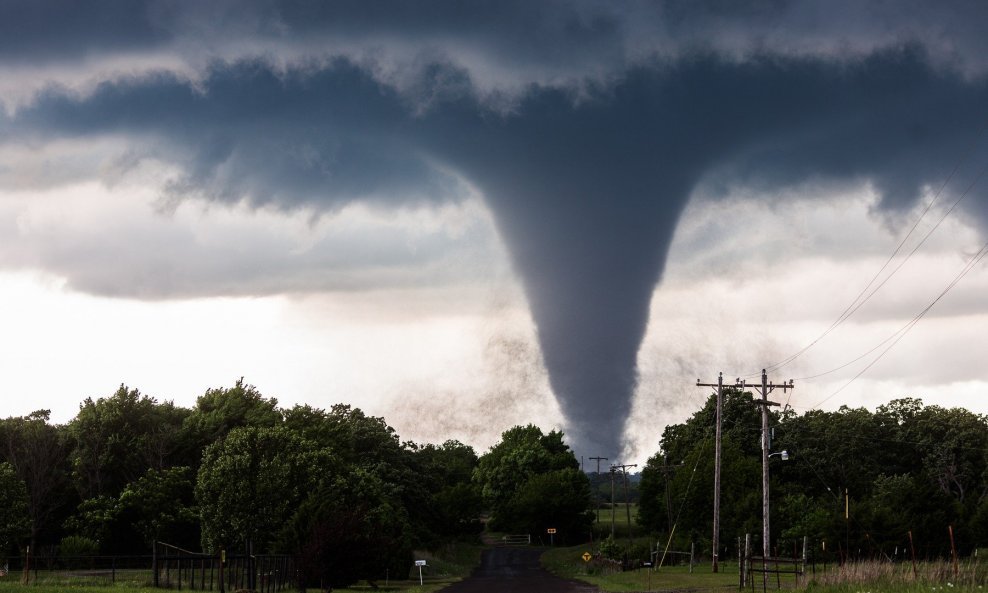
(587, 211)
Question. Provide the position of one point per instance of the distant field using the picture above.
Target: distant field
(619, 513)
(602, 528)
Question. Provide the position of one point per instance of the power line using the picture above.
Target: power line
(864, 296)
(894, 339)
(912, 323)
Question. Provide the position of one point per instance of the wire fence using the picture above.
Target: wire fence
(168, 567)
(65, 571)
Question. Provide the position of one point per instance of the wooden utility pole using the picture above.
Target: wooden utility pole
(765, 389)
(627, 505)
(612, 501)
(666, 469)
(596, 492)
(719, 421)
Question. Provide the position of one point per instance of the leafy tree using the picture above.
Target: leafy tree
(38, 451)
(460, 506)
(14, 522)
(522, 453)
(98, 519)
(842, 450)
(353, 436)
(677, 482)
(742, 422)
(449, 463)
(218, 411)
(558, 499)
(250, 482)
(448, 469)
(116, 439)
(160, 506)
(351, 529)
(357, 440)
(76, 545)
(803, 516)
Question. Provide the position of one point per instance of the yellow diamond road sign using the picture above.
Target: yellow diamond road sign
(587, 556)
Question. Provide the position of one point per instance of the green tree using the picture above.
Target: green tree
(350, 529)
(447, 470)
(218, 411)
(677, 482)
(353, 436)
(523, 452)
(116, 439)
(250, 482)
(160, 506)
(14, 522)
(357, 440)
(39, 453)
(558, 499)
(98, 519)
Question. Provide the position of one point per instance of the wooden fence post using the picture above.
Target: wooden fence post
(801, 579)
(912, 549)
(953, 548)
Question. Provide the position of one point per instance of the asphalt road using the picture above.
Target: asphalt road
(515, 570)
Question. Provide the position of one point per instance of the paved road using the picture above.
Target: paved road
(515, 570)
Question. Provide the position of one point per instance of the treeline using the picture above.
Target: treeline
(336, 487)
(857, 482)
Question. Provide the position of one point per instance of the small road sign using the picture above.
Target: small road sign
(587, 556)
(551, 530)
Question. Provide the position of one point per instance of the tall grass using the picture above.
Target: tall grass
(968, 574)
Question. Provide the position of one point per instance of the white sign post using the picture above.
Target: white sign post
(420, 564)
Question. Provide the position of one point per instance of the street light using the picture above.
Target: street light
(765, 501)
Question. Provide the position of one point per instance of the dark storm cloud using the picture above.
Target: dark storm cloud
(66, 30)
(560, 34)
(586, 178)
(284, 139)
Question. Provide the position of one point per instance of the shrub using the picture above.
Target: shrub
(77, 545)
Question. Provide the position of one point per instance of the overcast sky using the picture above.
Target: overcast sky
(467, 215)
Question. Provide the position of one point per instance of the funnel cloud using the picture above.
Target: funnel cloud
(585, 127)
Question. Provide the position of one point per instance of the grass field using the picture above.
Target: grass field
(619, 512)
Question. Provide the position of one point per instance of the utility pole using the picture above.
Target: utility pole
(627, 506)
(612, 501)
(667, 473)
(765, 389)
(720, 403)
(596, 492)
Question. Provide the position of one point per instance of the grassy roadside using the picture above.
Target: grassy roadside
(862, 577)
(568, 563)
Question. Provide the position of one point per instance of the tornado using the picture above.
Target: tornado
(586, 198)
